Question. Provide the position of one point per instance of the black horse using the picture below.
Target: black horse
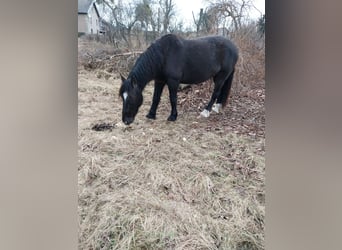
(172, 60)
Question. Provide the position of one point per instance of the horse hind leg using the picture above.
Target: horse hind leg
(219, 81)
(222, 98)
(217, 107)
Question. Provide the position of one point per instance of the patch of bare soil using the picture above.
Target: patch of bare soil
(191, 184)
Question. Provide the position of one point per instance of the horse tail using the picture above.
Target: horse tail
(226, 89)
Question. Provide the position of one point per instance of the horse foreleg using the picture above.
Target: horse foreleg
(173, 87)
(158, 89)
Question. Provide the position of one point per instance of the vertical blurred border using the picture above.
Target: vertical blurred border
(304, 122)
(38, 128)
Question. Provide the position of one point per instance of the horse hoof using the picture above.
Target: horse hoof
(172, 118)
(205, 113)
(217, 107)
(149, 116)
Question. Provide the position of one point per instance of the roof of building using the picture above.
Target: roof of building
(84, 5)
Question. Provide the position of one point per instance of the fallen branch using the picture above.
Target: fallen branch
(127, 54)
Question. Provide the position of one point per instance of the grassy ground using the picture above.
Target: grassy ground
(193, 184)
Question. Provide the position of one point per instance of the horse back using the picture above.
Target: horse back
(197, 60)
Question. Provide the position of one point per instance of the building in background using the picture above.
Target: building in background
(89, 20)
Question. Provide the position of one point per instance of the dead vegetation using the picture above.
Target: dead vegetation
(193, 184)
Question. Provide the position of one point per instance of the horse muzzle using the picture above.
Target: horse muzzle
(128, 120)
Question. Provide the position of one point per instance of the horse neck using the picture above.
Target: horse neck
(145, 68)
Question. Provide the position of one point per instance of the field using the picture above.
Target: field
(197, 183)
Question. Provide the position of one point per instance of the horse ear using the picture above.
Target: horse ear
(122, 78)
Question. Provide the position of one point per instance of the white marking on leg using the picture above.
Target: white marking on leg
(217, 107)
(124, 95)
(205, 113)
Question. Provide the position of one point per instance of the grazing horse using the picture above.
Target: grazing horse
(172, 60)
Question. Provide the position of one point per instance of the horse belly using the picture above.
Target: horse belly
(193, 80)
(194, 75)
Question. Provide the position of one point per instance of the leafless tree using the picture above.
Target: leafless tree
(198, 20)
(207, 21)
(168, 11)
(235, 10)
(124, 18)
(143, 13)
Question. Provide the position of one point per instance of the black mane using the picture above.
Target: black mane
(148, 65)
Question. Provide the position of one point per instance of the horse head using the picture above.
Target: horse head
(132, 98)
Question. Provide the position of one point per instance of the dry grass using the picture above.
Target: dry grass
(193, 184)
